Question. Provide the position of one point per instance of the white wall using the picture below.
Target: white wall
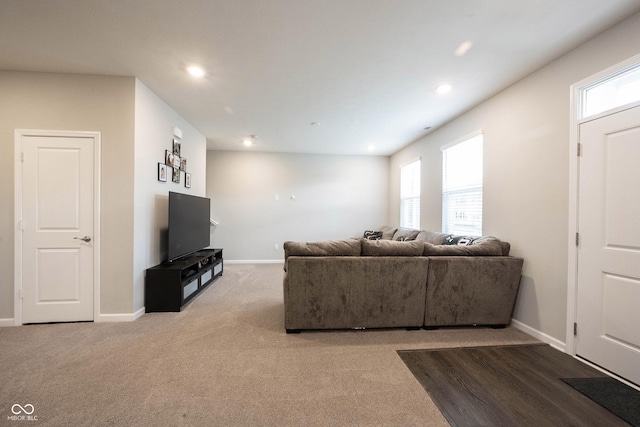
(526, 164)
(336, 197)
(154, 123)
(81, 103)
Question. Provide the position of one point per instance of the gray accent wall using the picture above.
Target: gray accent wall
(526, 170)
(136, 127)
(154, 125)
(80, 103)
(334, 197)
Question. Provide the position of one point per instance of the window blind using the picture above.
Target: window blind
(462, 187)
(410, 195)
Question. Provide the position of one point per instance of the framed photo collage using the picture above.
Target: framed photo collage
(174, 165)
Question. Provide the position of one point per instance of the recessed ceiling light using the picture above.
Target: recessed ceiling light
(443, 88)
(371, 148)
(463, 48)
(249, 140)
(195, 71)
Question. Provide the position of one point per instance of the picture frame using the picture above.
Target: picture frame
(187, 180)
(175, 176)
(177, 147)
(183, 164)
(168, 158)
(162, 172)
(176, 161)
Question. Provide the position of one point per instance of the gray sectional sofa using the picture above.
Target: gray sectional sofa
(402, 278)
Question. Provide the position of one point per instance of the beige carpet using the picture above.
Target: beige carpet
(224, 361)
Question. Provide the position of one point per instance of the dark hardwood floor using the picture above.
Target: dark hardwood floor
(507, 386)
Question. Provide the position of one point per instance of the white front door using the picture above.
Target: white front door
(608, 304)
(57, 227)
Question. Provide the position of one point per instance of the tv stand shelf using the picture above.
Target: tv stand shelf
(170, 286)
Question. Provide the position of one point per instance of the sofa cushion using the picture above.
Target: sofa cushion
(486, 248)
(472, 240)
(405, 234)
(372, 235)
(387, 232)
(506, 248)
(391, 248)
(432, 237)
(350, 247)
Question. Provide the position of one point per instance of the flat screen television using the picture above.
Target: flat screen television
(189, 218)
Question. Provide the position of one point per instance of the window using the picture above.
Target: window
(410, 195)
(462, 186)
(613, 92)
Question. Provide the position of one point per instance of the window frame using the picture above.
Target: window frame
(594, 106)
(471, 190)
(410, 201)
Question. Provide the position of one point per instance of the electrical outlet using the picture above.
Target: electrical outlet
(275, 247)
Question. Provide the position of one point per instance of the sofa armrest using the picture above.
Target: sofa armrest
(473, 290)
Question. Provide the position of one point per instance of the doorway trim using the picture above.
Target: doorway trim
(17, 202)
(575, 121)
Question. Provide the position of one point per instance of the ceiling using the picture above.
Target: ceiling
(305, 76)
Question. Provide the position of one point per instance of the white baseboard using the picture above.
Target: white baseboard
(553, 342)
(559, 345)
(120, 317)
(7, 322)
(253, 261)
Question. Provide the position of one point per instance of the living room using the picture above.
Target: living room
(261, 198)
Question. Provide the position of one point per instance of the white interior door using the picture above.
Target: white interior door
(608, 302)
(58, 228)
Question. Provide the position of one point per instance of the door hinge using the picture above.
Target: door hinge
(22, 156)
(575, 328)
(21, 294)
(579, 149)
(577, 239)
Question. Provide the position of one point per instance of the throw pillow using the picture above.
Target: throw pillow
(372, 235)
(460, 240)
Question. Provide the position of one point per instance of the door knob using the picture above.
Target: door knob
(84, 239)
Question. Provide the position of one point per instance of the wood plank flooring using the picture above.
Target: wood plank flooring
(507, 386)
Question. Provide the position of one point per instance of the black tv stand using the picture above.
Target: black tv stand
(170, 286)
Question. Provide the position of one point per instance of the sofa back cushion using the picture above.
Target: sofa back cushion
(506, 248)
(405, 234)
(388, 232)
(432, 237)
(391, 248)
(485, 248)
(350, 247)
(472, 241)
